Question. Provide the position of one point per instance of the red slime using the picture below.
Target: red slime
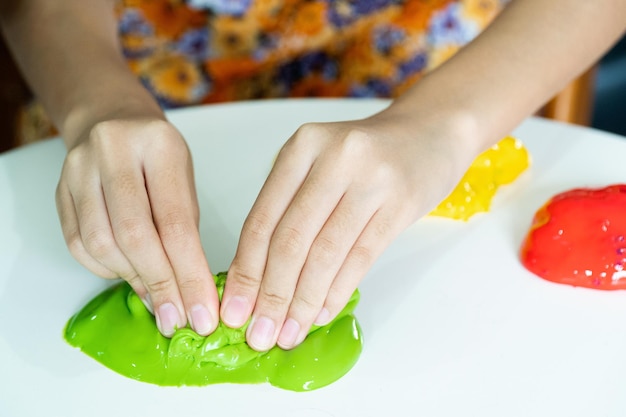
(579, 238)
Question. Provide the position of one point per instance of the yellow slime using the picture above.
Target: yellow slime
(499, 165)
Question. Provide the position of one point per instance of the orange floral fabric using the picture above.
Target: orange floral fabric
(190, 52)
(206, 51)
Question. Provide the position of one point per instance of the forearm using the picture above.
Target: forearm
(69, 53)
(529, 53)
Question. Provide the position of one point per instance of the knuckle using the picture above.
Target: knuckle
(99, 243)
(274, 300)
(110, 275)
(362, 256)
(74, 243)
(288, 241)
(303, 137)
(241, 278)
(104, 134)
(384, 173)
(307, 303)
(131, 233)
(258, 226)
(73, 158)
(174, 225)
(362, 146)
(158, 286)
(356, 139)
(125, 183)
(191, 283)
(383, 228)
(324, 251)
(308, 130)
(164, 129)
(103, 129)
(165, 137)
(356, 144)
(134, 280)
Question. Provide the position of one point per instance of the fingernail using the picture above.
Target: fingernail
(147, 301)
(200, 319)
(323, 317)
(168, 319)
(235, 311)
(261, 334)
(289, 333)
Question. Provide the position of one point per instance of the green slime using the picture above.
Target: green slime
(117, 330)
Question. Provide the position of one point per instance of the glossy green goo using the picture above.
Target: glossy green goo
(117, 330)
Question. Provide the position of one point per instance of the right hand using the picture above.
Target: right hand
(128, 208)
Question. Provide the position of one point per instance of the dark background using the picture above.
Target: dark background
(609, 106)
(610, 92)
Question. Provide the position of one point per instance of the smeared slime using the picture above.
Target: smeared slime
(499, 165)
(579, 238)
(118, 331)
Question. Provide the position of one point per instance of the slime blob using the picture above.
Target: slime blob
(579, 238)
(118, 331)
(499, 165)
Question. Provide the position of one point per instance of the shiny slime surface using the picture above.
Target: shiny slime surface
(499, 165)
(579, 238)
(118, 331)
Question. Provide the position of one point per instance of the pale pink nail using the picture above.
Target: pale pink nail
(262, 333)
(289, 334)
(323, 317)
(235, 311)
(200, 319)
(167, 319)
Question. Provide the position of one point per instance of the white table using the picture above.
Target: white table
(453, 324)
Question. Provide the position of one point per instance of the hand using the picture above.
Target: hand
(337, 195)
(128, 208)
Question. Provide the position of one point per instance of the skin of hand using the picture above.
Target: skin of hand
(128, 208)
(337, 195)
(528, 54)
(340, 192)
(126, 196)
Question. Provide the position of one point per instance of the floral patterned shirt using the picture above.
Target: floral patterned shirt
(205, 51)
(190, 52)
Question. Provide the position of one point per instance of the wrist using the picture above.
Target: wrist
(451, 126)
(125, 98)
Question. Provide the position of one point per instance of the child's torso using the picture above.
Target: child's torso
(203, 51)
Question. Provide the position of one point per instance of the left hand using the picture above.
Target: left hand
(337, 195)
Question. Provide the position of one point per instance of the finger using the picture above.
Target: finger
(72, 235)
(97, 236)
(380, 231)
(327, 254)
(134, 231)
(175, 211)
(246, 271)
(289, 246)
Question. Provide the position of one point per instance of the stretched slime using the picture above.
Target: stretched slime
(118, 331)
(499, 165)
(579, 238)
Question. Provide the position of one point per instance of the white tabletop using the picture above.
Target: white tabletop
(453, 324)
